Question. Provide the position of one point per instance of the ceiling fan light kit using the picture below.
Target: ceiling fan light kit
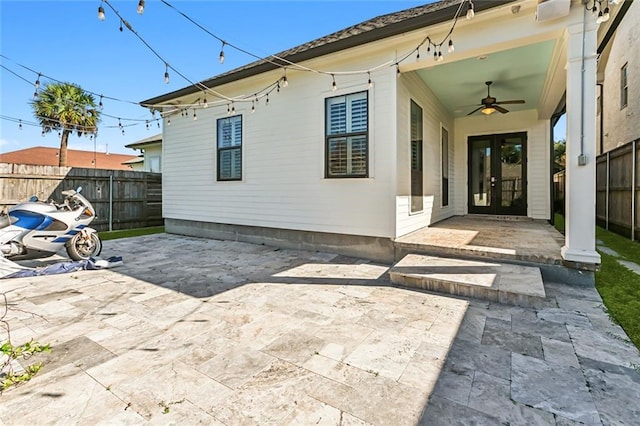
(489, 105)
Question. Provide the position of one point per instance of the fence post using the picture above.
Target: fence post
(606, 193)
(633, 192)
(111, 202)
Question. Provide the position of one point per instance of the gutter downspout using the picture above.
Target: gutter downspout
(601, 102)
(582, 159)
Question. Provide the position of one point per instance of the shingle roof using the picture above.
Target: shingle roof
(146, 141)
(47, 156)
(374, 29)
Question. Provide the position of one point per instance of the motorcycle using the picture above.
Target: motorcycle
(35, 229)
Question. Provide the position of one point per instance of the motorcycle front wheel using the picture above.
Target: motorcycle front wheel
(81, 249)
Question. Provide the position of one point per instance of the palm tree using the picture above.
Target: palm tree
(65, 107)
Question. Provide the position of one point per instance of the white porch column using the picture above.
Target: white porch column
(580, 219)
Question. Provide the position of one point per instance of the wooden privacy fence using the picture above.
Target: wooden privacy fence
(617, 190)
(122, 199)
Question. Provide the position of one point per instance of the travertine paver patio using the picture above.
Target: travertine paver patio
(230, 333)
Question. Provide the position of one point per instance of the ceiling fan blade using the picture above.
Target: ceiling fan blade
(499, 108)
(476, 110)
(519, 101)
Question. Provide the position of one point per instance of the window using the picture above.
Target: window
(624, 88)
(416, 158)
(230, 148)
(445, 167)
(347, 136)
(154, 164)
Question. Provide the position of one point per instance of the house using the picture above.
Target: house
(48, 156)
(150, 159)
(619, 104)
(404, 125)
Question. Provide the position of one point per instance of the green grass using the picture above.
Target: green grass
(126, 233)
(618, 286)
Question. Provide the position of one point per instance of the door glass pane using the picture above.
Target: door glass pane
(511, 172)
(480, 170)
(417, 203)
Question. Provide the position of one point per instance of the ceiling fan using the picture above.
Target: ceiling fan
(489, 105)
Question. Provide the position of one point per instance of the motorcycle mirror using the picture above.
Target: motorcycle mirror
(79, 189)
(33, 199)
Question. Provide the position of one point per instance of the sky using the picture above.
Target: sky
(65, 41)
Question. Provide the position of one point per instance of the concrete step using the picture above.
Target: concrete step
(492, 281)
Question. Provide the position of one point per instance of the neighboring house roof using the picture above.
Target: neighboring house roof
(47, 156)
(137, 160)
(374, 29)
(143, 143)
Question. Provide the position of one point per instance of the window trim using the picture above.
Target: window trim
(624, 89)
(229, 148)
(345, 135)
(442, 204)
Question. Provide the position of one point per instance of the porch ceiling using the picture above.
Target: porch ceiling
(517, 73)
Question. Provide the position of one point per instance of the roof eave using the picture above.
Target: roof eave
(390, 30)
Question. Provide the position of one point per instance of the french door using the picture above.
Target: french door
(498, 174)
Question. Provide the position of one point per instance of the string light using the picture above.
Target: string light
(334, 87)
(37, 83)
(233, 109)
(101, 12)
(119, 123)
(222, 53)
(147, 124)
(101, 105)
(121, 29)
(122, 132)
(140, 8)
(168, 122)
(369, 82)
(417, 54)
(397, 70)
(166, 73)
(470, 12)
(228, 109)
(253, 107)
(451, 48)
(205, 104)
(42, 134)
(440, 57)
(285, 82)
(195, 117)
(267, 101)
(20, 125)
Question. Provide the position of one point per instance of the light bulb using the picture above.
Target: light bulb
(397, 70)
(606, 15)
(37, 84)
(147, 124)
(451, 48)
(168, 122)
(101, 13)
(334, 87)
(205, 104)
(435, 55)
(267, 101)
(121, 25)
(166, 77)
(440, 57)
(253, 107)
(195, 117)
(140, 9)
(470, 11)
(285, 82)
(42, 133)
(228, 109)
(20, 125)
(222, 54)
(35, 94)
(369, 82)
(100, 105)
(417, 55)
(233, 109)
(158, 123)
(122, 132)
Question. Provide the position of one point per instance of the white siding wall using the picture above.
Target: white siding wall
(621, 125)
(411, 87)
(283, 183)
(538, 140)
